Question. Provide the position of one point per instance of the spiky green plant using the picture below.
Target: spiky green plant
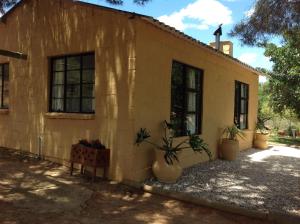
(232, 132)
(261, 126)
(193, 142)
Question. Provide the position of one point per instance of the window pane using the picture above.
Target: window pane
(73, 105)
(236, 120)
(88, 76)
(59, 64)
(1, 97)
(88, 61)
(57, 105)
(58, 78)
(191, 78)
(4, 86)
(6, 89)
(5, 100)
(176, 119)
(243, 121)
(192, 100)
(183, 101)
(244, 90)
(243, 106)
(191, 123)
(73, 77)
(73, 91)
(178, 89)
(6, 73)
(58, 91)
(88, 105)
(88, 90)
(73, 62)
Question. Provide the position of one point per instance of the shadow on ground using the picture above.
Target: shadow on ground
(33, 191)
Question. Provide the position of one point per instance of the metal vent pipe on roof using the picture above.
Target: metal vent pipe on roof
(218, 34)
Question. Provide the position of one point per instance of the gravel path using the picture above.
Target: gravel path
(265, 180)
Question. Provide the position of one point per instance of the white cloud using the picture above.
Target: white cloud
(262, 79)
(202, 13)
(248, 58)
(250, 12)
(256, 60)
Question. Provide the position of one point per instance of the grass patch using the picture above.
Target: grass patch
(285, 140)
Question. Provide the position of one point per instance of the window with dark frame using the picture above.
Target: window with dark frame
(186, 99)
(241, 105)
(4, 86)
(72, 84)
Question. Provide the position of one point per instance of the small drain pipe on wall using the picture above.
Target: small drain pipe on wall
(40, 147)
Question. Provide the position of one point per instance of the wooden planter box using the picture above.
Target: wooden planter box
(87, 156)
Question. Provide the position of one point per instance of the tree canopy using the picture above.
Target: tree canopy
(269, 18)
(285, 78)
(4, 4)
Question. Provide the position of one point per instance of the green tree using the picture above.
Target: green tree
(4, 4)
(285, 78)
(269, 18)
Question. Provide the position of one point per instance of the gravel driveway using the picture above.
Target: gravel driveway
(264, 180)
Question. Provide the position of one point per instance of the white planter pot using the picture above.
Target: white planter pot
(164, 172)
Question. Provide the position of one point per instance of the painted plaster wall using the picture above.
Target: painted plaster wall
(156, 49)
(42, 29)
(132, 84)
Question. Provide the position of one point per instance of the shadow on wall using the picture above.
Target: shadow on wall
(51, 28)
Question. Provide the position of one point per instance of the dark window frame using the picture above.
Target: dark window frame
(2, 67)
(238, 99)
(182, 129)
(65, 84)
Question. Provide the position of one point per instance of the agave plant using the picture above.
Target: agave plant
(261, 126)
(232, 132)
(193, 142)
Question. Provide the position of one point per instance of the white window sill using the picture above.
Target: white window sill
(71, 116)
(4, 111)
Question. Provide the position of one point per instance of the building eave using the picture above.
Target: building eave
(156, 23)
(192, 40)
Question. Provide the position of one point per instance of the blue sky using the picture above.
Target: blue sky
(199, 19)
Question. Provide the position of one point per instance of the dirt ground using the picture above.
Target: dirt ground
(33, 191)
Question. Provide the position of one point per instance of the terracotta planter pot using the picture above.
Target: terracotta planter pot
(261, 141)
(229, 149)
(164, 172)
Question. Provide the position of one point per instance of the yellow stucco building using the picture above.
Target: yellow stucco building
(94, 72)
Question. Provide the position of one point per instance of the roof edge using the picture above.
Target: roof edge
(153, 21)
(180, 34)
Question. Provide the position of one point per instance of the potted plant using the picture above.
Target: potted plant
(166, 167)
(262, 133)
(229, 147)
